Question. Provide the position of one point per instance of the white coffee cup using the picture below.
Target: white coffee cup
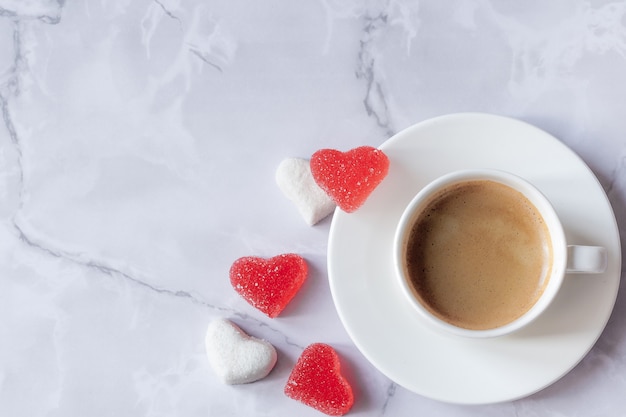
(564, 259)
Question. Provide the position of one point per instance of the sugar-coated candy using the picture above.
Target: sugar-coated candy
(268, 284)
(349, 177)
(295, 180)
(316, 381)
(236, 357)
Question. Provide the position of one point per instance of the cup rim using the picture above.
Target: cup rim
(545, 208)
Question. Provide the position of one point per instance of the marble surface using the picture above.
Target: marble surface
(138, 145)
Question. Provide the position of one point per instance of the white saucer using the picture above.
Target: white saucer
(450, 368)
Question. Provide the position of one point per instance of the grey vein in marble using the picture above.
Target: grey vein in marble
(80, 260)
(11, 88)
(375, 100)
(28, 10)
(616, 174)
(391, 392)
(204, 57)
(169, 13)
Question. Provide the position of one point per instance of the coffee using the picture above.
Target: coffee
(479, 255)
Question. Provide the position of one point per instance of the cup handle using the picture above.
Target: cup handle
(586, 259)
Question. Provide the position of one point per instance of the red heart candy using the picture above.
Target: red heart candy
(268, 284)
(349, 177)
(316, 381)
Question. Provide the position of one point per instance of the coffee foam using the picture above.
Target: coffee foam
(479, 254)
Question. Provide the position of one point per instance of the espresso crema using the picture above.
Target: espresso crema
(479, 256)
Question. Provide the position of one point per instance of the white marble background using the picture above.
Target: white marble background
(138, 143)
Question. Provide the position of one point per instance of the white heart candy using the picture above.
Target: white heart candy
(236, 357)
(295, 180)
